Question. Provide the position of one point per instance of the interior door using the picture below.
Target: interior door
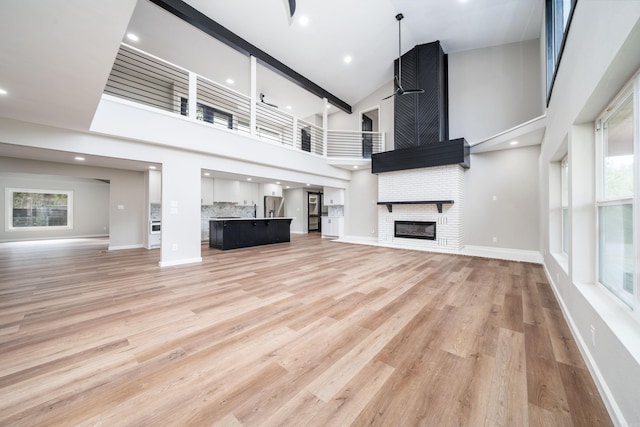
(367, 138)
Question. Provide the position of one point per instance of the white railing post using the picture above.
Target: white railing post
(254, 99)
(294, 132)
(193, 94)
(325, 126)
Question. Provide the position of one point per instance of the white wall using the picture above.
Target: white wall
(294, 203)
(361, 209)
(90, 205)
(125, 226)
(512, 218)
(494, 89)
(600, 55)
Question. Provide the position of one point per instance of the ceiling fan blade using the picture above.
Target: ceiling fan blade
(412, 91)
(390, 96)
(292, 7)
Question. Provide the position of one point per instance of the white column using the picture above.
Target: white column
(325, 127)
(254, 97)
(193, 94)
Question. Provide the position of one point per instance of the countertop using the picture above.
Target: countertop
(251, 219)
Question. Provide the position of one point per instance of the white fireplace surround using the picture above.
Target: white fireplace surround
(425, 184)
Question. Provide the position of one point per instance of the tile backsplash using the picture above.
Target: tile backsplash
(220, 209)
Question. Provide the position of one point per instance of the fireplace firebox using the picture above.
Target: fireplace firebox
(415, 229)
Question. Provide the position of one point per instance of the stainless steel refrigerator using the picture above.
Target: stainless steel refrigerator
(273, 206)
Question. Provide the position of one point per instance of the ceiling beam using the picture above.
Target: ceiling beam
(211, 27)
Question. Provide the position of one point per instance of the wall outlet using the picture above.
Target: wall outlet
(174, 247)
(373, 231)
(494, 239)
(593, 335)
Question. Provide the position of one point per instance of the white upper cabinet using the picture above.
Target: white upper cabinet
(333, 196)
(226, 190)
(272, 190)
(155, 187)
(206, 191)
(249, 193)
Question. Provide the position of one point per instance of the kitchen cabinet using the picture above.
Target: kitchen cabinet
(333, 196)
(204, 229)
(206, 191)
(272, 190)
(332, 226)
(248, 193)
(226, 190)
(155, 187)
(245, 232)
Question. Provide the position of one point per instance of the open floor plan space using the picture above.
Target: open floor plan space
(311, 332)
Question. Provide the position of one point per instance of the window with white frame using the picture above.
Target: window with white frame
(29, 209)
(617, 136)
(564, 185)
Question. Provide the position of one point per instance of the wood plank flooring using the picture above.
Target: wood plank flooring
(313, 333)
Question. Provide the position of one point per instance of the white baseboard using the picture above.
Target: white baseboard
(609, 401)
(180, 262)
(119, 248)
(477, 251)
(508, 254)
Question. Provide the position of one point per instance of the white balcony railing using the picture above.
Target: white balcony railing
(143, 78)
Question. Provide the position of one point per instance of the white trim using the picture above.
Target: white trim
(180, 262)
(39, 239)
(119, 248)
(607, 397)
(508, 254)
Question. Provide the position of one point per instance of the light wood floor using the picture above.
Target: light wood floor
(312, 333)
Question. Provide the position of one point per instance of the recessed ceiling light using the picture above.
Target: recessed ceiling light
(355, 166)
(278, 182)
(348, 59)
(78, 158)
(513, 143)
(133, 37)
(248, 179)
(288, 107)
(328, 106)
(304, 20)
(3, 92)
(207, 174)
(308, 185)
(230, 81)
(152, 167)
(288, 186)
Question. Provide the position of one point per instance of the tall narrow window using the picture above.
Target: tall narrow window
(558, 15)
(564, 184)
(616, 260)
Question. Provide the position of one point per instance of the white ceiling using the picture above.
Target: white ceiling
(55, 57)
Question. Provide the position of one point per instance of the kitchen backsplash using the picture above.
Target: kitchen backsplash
(221, 209)
(336, 211)
(155, 211)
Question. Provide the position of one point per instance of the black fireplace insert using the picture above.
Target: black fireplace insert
(415, 229)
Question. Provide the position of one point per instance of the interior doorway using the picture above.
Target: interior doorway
(314, 211)
(370, 123)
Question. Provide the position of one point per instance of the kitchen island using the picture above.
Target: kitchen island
(233, 233)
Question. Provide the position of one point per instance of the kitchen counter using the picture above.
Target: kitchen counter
(233, 233)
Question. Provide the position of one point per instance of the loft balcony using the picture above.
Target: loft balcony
(145, 79)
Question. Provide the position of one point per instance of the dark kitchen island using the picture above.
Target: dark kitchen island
(233, 233)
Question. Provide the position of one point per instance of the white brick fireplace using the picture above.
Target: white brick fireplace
(436, 183)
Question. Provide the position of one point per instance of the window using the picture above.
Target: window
(616, 250)
(38, 209)
(564, 185)
(558, 15)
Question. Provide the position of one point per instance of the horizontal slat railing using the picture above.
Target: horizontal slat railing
(310, 138)
(354, 144)
(147, 80)
(222, 106)
(274, 125)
